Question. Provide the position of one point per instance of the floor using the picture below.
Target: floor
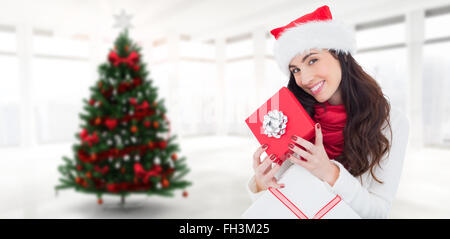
(220, 168)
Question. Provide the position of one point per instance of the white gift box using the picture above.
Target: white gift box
(304, 196)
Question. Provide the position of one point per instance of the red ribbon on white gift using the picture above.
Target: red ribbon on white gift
(297, 211)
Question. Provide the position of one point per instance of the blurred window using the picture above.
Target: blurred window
(436, 76)
(9, 90)
(60, 79)
(382, 53)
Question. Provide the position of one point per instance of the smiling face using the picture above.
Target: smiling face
(318, 73)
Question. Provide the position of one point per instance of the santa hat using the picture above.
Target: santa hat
(313, 30)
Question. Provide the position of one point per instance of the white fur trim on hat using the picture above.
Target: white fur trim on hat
(313, 35)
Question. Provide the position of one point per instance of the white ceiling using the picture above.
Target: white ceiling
(202, 19)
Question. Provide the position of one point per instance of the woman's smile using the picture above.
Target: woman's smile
(318, 87)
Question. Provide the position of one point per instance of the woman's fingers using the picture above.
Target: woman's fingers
(273, 159)
(273, 171)
(265, 165)
(275, 184)
(269, 176)
(298, 161)
(300, 152)
(303, 142)
(319, 135)
(264, 171)
(257, 155)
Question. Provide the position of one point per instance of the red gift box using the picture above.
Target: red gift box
(278, 119)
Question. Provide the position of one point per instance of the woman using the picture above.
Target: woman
(359, 145)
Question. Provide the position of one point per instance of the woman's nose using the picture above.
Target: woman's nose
(306, 78)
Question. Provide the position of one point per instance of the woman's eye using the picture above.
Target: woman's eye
(295, 70)
(312, 61)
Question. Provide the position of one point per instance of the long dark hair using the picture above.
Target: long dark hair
(368, 113)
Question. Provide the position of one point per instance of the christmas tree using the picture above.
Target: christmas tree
(125, 144)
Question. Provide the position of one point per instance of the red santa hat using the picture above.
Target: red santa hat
(314, 30)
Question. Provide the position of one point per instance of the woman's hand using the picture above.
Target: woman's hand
(315, 158)
(264, 172)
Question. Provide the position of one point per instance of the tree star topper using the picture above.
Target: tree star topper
(123, 20)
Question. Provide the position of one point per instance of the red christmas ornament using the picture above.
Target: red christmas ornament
(106, 93)
(100, 201)
(93, 156)
(111, 123)
(99, 183)
(112, 188)
(137, 81)
(163, 144)
(122, 87)
(103, 170)
(83, 156)
(83, 134)
(134, 129)
(151, 145)
(170, 171)
(174, 157)
(155, 124)
(98, 121)
(147, 123)
(165, 183)
(79, 167)
(143, 106)
(133, 101)
(94, 138)
(185, 194)
(91, 101)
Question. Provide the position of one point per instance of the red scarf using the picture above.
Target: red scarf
(332, 121)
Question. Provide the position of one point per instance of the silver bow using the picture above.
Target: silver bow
(274, 123)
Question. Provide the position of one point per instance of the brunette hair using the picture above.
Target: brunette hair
(368, 113)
